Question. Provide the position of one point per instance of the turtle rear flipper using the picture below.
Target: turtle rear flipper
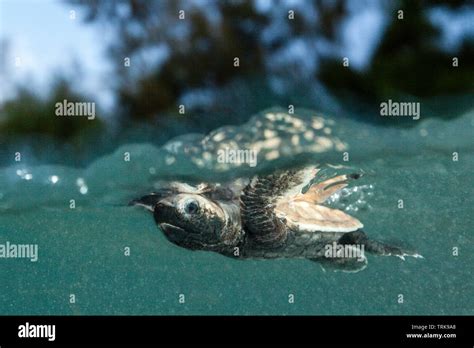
(376, 247)
(349, 259)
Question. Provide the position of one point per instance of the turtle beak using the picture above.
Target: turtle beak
(148, 201)
(164, 211)
(164, 203)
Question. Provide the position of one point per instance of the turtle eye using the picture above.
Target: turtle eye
(191, 207)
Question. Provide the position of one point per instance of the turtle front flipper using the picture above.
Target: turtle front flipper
(258, 201)
(318, 193)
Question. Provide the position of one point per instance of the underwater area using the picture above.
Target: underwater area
(297, 83)
(81, 251)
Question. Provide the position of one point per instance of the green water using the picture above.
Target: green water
(81, 250)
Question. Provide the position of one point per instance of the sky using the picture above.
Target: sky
(43, 37)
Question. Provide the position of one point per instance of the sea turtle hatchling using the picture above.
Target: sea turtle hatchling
(280, 215)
